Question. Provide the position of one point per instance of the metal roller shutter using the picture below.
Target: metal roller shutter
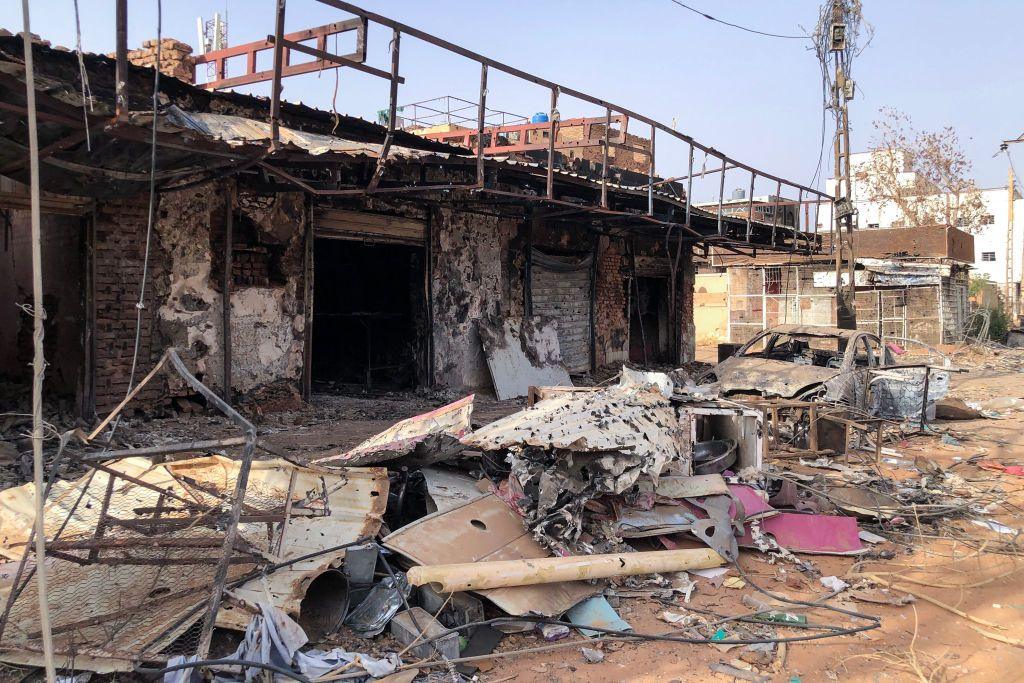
(560, 289)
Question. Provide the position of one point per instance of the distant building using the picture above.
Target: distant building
(910, 283)
(990, 256)
(764, 208)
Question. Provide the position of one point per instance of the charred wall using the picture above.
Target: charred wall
(473, 274)
(184, 296)
(611, 302)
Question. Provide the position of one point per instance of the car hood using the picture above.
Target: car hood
(769, 377)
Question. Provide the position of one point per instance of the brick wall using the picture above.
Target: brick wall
(619, 158)
(611, 324)
(119, 249)
(175, 58)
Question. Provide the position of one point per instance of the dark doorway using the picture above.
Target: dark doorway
(63, 252)
(648, 325)
(369, 322)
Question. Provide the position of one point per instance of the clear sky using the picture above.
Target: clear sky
(943, 62)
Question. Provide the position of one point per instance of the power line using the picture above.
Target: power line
(742, 28)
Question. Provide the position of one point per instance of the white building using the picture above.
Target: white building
(989, 237)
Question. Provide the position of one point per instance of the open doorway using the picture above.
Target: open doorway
(369, 316)
(62, 248)
(648, 325)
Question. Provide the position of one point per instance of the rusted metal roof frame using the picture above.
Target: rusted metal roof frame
(485, 62)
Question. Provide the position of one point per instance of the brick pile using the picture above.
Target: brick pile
(175, 58)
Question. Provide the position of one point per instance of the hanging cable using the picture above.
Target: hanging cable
(38, 357)
(84, 77)
(742, 28)
(140, 305)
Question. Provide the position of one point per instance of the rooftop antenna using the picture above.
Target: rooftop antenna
(213, 35)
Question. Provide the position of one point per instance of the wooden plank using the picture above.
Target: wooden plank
(335, 222)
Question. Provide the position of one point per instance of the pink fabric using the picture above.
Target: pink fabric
(811, 533)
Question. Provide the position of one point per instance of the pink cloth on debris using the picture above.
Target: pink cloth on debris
(825, 534)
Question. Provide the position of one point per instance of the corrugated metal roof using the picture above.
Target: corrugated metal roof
(239, 130)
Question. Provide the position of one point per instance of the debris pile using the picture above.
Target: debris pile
(432, 543)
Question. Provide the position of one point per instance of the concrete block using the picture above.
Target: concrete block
(462, 609)
(405, 631)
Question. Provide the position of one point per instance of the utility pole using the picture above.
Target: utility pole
(1012, 300)
(842, 91)
(1013, 303)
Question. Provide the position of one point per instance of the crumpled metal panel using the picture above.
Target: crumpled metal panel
(636, 420)
(356, 498)
(447, 423)
(899, 392)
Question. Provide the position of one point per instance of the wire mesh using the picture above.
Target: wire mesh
(132, 555)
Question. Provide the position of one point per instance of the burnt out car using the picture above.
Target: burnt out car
(804, 362)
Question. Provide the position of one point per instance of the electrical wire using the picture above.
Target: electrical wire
(742, 28)
(244, 663)
(83, 75)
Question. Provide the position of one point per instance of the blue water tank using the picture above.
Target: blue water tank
(539, 117)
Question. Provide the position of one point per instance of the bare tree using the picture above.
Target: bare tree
(924, 174)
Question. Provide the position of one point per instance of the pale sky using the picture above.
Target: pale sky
(758, 99)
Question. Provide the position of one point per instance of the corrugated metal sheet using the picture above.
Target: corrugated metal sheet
(628, 419)
(452, 420)
(238, 130)
(563, 294)
(115, 614)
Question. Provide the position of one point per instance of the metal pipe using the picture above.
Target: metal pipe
(166, 449)
(121, 65)
(775, 211)
(796, 217)
(750, 204)
(650, 176)
(226, 294)
(552, 133)
(604, 157)
(689, 187)
(519, 73)
(721, 198)
(378, 172)
(480, 116)
(38, 357)
(275, 89)
(241, 482)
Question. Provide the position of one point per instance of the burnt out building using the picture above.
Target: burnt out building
(288, 252)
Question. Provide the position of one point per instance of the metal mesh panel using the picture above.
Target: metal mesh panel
(130, 566)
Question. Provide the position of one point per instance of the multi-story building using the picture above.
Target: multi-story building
(990, 235)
